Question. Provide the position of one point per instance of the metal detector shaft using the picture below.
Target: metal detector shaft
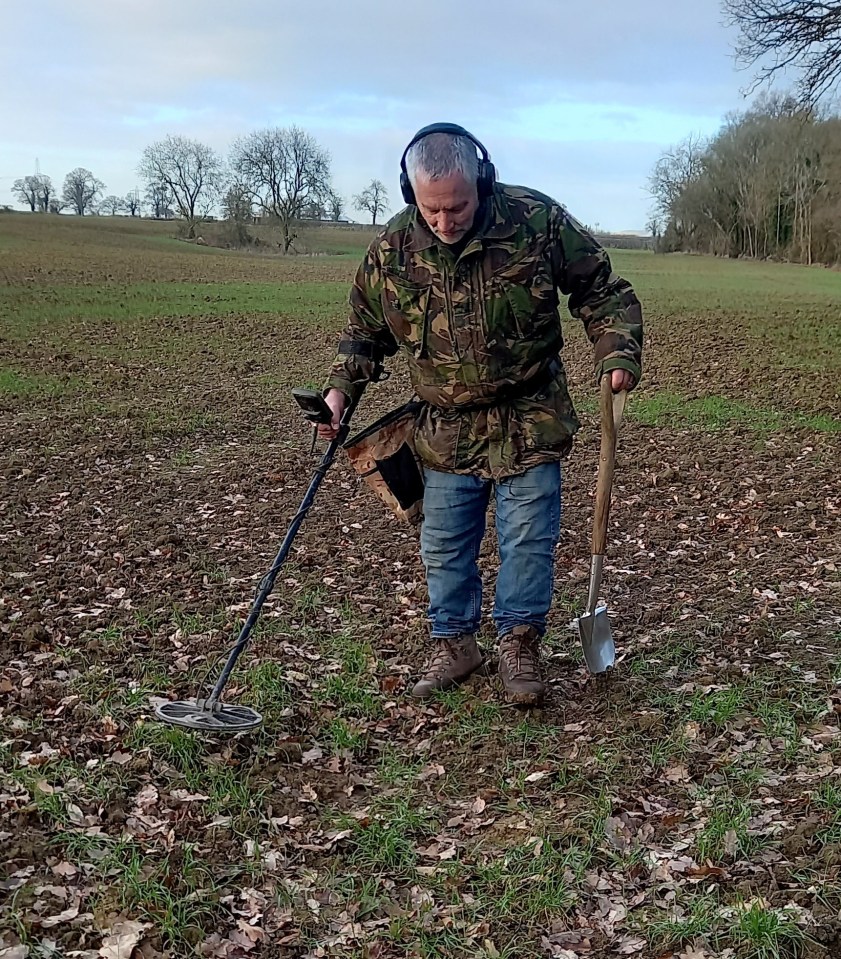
(268, 581)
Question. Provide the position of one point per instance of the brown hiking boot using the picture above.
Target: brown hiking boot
(519, 666)
(454, 659)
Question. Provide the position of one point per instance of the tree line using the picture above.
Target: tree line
(280, 173)
(768, 184)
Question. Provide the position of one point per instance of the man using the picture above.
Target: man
(465, 280)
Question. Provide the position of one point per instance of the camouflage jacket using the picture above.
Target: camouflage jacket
(482, 333)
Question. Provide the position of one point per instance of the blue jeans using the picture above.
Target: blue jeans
(528, 517)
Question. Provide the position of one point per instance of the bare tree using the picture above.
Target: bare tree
(804, 34)
(27, 190)
(285, 171)
(374, 199)
(335, 206)
(112, 204)
(191, 171)
(238, 212)
(82, 190)
(132, 204)
(671, 176)
(45, 192)
(159, 198)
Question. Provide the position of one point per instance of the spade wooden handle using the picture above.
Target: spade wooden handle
(611, 407)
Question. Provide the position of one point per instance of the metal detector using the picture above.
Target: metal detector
(211, 714)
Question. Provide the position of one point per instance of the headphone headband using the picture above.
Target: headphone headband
(453, 129)
(487, 172)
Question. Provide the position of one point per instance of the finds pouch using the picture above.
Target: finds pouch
(384, 455)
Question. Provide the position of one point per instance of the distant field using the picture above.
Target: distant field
(150, 462)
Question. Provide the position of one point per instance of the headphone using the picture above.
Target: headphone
(487, 171)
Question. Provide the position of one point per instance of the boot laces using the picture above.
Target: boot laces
(521, 656)
(445, 655)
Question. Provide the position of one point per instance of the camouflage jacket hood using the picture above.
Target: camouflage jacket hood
(480, 328)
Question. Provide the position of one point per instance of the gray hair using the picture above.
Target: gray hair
(441, 155)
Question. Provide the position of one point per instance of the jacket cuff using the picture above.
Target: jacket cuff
(352, 390)
(618, 363)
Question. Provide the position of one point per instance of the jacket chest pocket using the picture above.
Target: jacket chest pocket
(406, 310)
(523, 300)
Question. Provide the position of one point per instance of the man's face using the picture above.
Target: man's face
(448, 205)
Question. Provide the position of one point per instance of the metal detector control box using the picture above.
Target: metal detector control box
(313, 405)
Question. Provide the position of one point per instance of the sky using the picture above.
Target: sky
(575, 99)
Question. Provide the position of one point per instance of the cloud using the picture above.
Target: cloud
(592, 90)
(146, 115)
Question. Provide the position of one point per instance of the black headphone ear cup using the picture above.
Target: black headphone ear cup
(406, 189)
(487, 178)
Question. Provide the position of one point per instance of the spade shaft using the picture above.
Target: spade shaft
(604, 485)
(593, 625)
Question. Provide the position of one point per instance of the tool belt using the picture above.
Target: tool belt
(384, 453)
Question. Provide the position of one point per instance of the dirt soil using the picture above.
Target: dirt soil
(142, 498)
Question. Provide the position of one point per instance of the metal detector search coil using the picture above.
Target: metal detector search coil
(198, 714)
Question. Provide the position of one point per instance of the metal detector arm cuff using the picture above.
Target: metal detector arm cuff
(357, 363)
(365, 349)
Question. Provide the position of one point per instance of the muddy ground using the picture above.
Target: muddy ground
(688, 805)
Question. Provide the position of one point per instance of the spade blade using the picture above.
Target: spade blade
(596, 640)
